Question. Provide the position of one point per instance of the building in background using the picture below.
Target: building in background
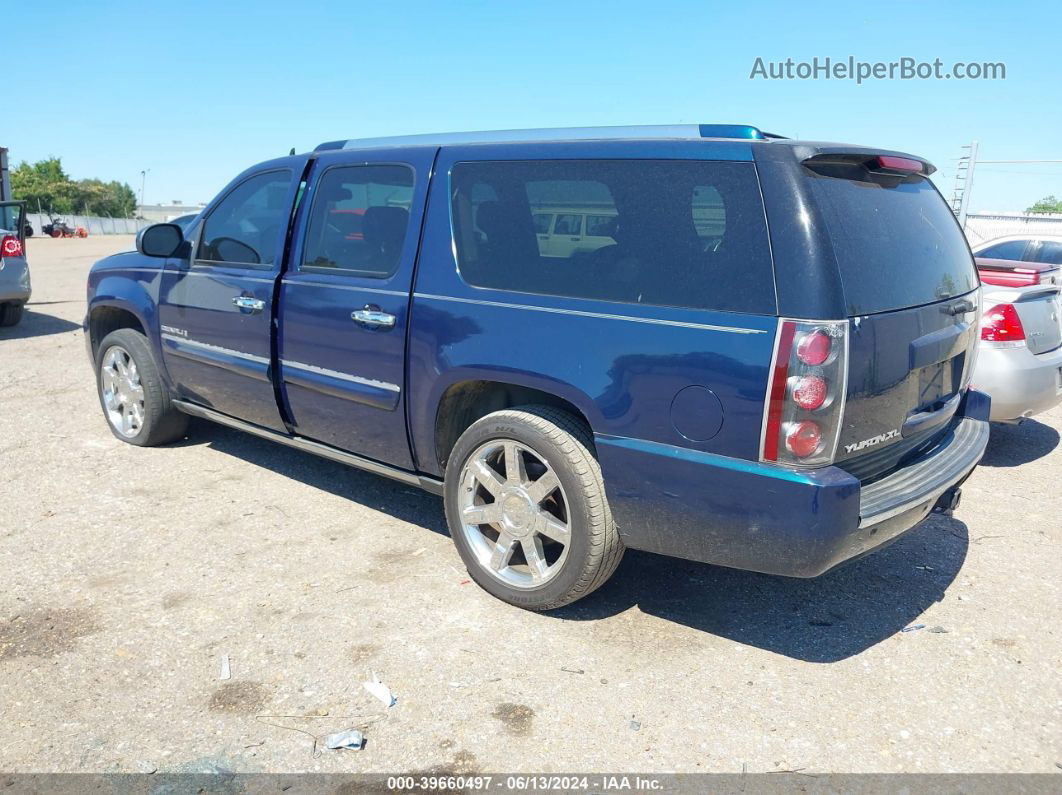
(159, 213)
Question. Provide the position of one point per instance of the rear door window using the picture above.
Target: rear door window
(686, 234)
(896, 241)
(359, 220)
(1048, 251)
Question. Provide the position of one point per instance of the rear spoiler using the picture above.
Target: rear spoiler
(881, 161)
(877, 162)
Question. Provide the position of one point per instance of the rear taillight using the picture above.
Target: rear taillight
(1001, 326)
(10, 246)
(806, 393)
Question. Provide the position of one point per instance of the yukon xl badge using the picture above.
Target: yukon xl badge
(873, 440)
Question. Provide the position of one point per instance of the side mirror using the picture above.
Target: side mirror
(159, 240)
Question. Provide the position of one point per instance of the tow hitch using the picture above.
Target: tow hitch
(948, 501)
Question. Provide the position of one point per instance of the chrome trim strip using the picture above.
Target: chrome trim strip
(123, 269)
(220, 275)
(355, 379)
(330, 286)
(433, 485)
(215, 348)
(600, 315)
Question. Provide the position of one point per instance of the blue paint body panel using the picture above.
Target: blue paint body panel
(343, 383)
(302, 367)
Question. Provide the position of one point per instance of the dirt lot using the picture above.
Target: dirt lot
(127, 573)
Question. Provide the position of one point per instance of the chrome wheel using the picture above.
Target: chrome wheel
(514, 514)
(122, 392)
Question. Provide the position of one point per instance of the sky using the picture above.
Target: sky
(194, 92)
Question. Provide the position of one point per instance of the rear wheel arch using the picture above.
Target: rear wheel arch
(465, 402)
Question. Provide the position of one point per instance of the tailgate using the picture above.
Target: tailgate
(910, 292)
(907, 370)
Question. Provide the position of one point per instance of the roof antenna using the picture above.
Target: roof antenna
(291, 152)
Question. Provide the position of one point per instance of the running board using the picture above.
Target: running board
(430, 484)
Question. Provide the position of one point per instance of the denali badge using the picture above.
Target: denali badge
(873, 440)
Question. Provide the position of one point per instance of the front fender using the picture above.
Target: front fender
(133, 292)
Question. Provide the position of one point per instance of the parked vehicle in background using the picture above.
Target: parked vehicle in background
(59, 228)
(14, 269)
(1011, 273)
(1022, 248)
(1020, 260)
(1020, 359)
(762, 361)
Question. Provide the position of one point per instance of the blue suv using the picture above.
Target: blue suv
(702, 341)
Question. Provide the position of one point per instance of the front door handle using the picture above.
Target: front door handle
(373, 316)
(249, 302)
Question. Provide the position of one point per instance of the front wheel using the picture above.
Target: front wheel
(134, 399)
(527, 510)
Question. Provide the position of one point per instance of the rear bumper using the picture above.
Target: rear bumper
(748, 515)
(1020, 382)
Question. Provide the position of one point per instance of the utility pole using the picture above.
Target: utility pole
(143, 181)
(964, 173)
(5, 183)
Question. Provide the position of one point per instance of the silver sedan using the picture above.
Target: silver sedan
(14, 270)
(1019, 361)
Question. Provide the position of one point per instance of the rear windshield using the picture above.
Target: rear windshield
(669, 233)
(896, 241)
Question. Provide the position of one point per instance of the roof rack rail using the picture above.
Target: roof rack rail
(740, 131)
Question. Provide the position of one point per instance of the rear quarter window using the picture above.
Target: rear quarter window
(686, 234)
(896, 241)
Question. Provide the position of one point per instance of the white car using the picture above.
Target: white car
(1019, 361)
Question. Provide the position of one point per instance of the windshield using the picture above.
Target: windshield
(896, 241)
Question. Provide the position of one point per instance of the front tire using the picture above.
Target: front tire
(11, 314)
(135, 402)
(526, 507)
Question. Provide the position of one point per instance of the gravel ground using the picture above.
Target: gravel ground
(128, 573)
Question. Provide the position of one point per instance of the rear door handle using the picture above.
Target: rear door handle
(373, 316)
(249, 302)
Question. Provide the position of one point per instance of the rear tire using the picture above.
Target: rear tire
(526, 507)
(11, 314)
(135, 402)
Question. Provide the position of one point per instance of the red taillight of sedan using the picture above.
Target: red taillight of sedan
(10, 246)
(1001, 325)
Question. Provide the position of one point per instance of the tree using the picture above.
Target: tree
(47, 183)
(1048, 204)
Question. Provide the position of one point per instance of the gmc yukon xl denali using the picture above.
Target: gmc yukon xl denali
(750, 351)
